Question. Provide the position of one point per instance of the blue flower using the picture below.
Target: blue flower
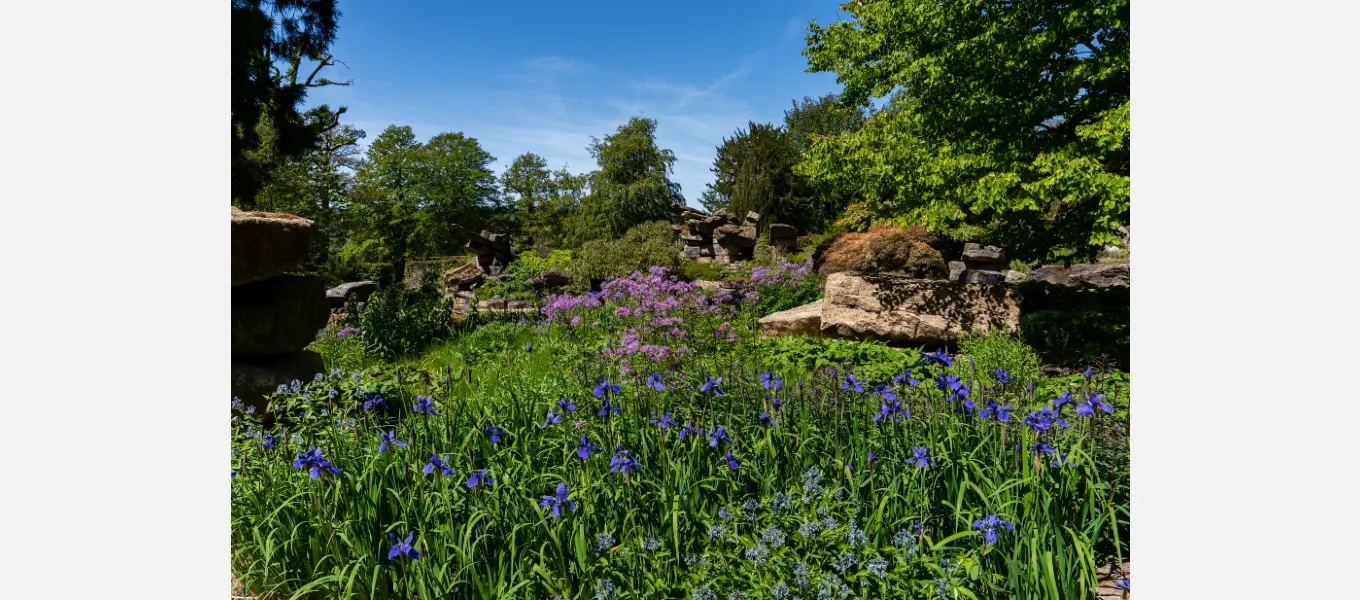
(1044, 419)
(1093, 403)
(268, 441)
(905, 376)
(586, 447)
(1062, 461)
(946, 382)
(989, 525)
(606, 408)
(552, 419)
(312, 459)
(1002, 412)
(712, 385)
(1003, 377)
(389, 438)
(852, 383)
(602, 386)
(566, 405)
(558, 501)
(424, 405)
(1123, 584)
(939, 356)
(766, 420)
(529, 348)
(770, 382)
(718, 434)
(654, 381)
(1089, 372)
(664, 421)
(732, 462)
(623, 462)
(1040, 447)
(1066, 398)
(496, 433)
(885, 392)
(920, 457)
(891, 410)
(872, 457)
(375, 401)
(690, 429)
(402, 548)
(438, 463)
(480, 478)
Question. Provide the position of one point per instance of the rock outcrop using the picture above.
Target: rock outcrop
(723, 239)
(980, 264)
(359, 291)
(1086, 274)
(265, 244)
(914, 311)
(803, 320)
(277, 316)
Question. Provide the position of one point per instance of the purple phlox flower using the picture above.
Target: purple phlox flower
(375, 401)
(496, 433)
(438, 463)
(766, 420)
(558, 501)
(946, 382)
(586, 447)
(425, 406)
(1003, 377)
(852, 383)
(989, 525)
(885, 392)
(552, 419)
(664, 421)
(654, 381)
(939, 357)
(718, 434)
(732, 462)
(313, 460)
(389, 438)
(1123, 584)
(566, 405)
(1002, 412)
(1095, 402)
(1040, 447)
(402, 548)
(623, 462)
(606, 407)
(602, 386)
(712, 385)
(920, 457)
(480, 478)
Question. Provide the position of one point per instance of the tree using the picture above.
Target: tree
(528, 183)
(271, 40)
(754, 169)
(385, 206)
(632, 184)
(1007, 121)
(455, 185)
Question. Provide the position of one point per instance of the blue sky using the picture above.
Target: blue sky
(542, 77)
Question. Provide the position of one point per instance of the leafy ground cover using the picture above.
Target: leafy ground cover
(642, 442)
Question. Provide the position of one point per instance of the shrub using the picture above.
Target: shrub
(885, 249)
(691, 271)
(647, 245)
(998, 350)
(782, 287)
(397, 321)
(1075, 327)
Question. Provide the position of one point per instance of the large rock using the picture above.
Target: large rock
(254, 378)
(914, 311)
(782, 231)
(549, 280)
(463, 278)
(1054, 275)
(984, 277)
(277, 316)
(752, 218)
(265, 244)
(359, 290)
(983, 255)
(1099, 275)
(803, 320)
(1014, 276)
(731, 235)
(956, 270)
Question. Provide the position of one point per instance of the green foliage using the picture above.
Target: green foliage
(693, 271)
(1076, 327)
(632, 184)
(642, 247)
(397, 321)
(1000, 350)
(348, 353)
(871, 361)
(1030, 152)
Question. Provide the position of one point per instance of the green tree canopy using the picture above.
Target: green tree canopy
(456, 185)
(1007, 121)
(384, 207)
(632, 184)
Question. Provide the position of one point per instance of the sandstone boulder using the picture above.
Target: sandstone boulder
(463, 278)
(252, 379)
(983, 255)
(983, 277)
(914, 311)
(549, 280)
(1099, 275)
(277, 316)
(359, 290)
(265, 244)
(1014, 276)
(956, 269)
(803, 320)
(782, 231)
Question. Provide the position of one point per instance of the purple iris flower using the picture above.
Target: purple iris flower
(389, 438)
(566, 405)
(602, 386)
(776, 402)
(1044, 419)
(586, 447)
(770, 382)
(480, 478)
(872, 456)
(939, 356)
(766, 420)
(606, 407)
(690, 429)
(623, 462)
(716, 435)
(1089, 372)
(496, 433)
(732, 462)
(552, 419)
(1002, 412)
(654, 381)
(712, 385)
(268, 441)
(529, 348)
(402, 548)
(1003, 377)
(1096, 402)
(852, 383)
(946, 382)
(558, 501)
(1062, 461)
(664, 421)
(892, 410)
(905, 376)
(438, 463)
(313, 460)
(885, 392)
(920, 457)
(989, 525)
(375, 401)
(1123, 584)
(424, 405)
(1040, 447)
(1066, 398)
